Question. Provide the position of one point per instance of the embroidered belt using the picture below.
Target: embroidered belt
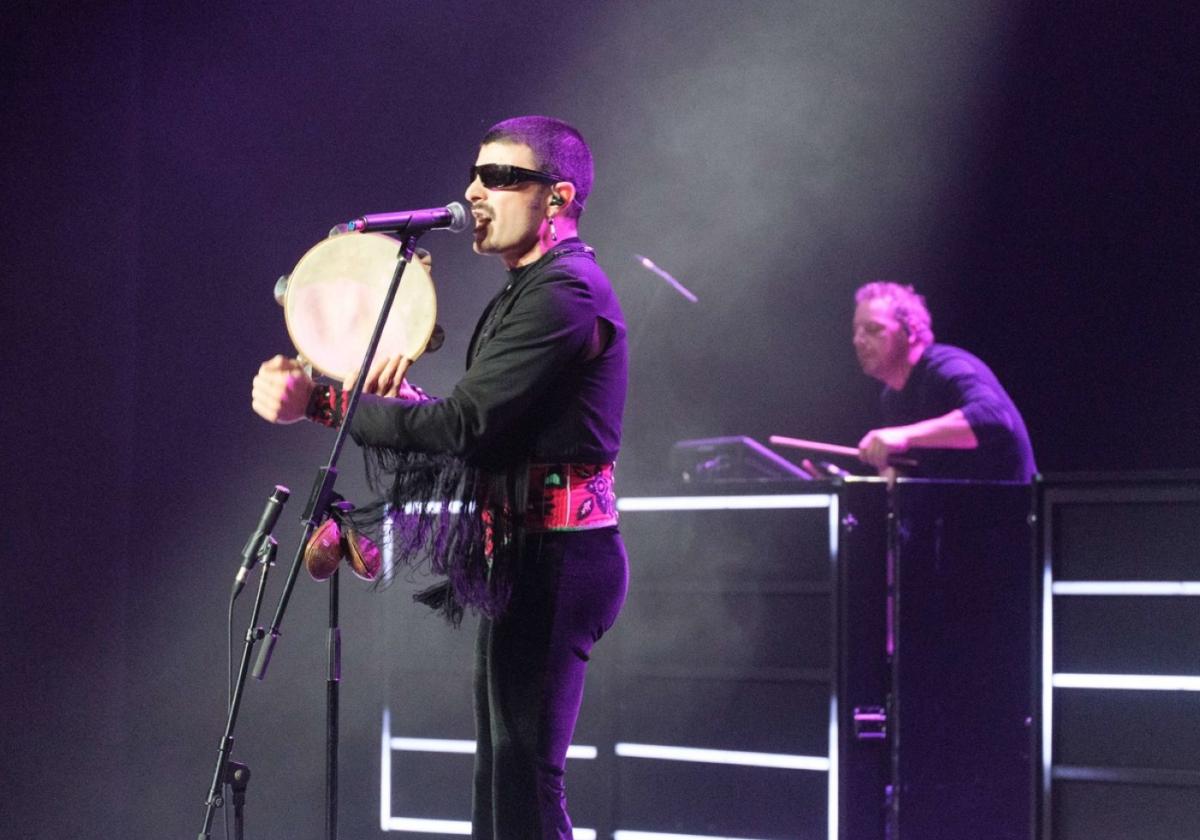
(570, 497)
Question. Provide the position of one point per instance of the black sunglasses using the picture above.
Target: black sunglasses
(497, 176)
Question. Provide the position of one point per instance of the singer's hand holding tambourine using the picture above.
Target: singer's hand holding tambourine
(386, 378)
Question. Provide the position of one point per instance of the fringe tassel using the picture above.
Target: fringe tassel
(449, 517)
(440, 598)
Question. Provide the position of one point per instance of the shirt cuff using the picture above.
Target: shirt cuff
(327, 405)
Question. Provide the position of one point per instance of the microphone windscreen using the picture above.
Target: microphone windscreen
(458, 216)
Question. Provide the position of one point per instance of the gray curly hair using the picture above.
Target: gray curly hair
(908, 307)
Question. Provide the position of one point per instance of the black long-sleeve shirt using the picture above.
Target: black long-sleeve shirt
(946, 378)
(546, 375)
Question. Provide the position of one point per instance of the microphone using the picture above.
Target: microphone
(452, 217)
(266, 524)
(648, 264)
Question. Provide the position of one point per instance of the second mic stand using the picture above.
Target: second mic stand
(230, 772)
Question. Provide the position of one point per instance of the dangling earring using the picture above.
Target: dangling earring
(553, 232)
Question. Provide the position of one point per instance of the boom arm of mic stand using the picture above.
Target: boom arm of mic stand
(322, 492)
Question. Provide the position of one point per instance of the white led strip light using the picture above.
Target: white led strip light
(1144, 682)
(743, 759)
(458, 827)
(1127, 587)
(784, 502)
(655, 835)
(443, 745)
(832, 792)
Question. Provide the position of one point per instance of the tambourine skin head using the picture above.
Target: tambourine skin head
(334, 296)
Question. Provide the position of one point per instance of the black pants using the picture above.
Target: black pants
(529, 673)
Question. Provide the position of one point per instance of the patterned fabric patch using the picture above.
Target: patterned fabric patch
(570, 497)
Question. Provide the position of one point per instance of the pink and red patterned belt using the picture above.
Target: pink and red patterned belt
(570, 497)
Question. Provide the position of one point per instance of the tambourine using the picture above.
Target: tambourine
(332, 299)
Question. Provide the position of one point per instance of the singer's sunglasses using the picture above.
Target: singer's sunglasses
(498, 176)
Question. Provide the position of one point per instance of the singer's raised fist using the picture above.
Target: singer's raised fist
(281, 390)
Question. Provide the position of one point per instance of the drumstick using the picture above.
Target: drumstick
(831, 449)
(814, 446)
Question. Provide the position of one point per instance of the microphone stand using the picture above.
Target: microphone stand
(230, 772)
(314, 513)
(238, 777)
(333, 651)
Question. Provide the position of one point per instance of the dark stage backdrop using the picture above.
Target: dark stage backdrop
(1031, 169)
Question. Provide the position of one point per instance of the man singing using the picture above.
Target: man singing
(526, 444)
(942, 405)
